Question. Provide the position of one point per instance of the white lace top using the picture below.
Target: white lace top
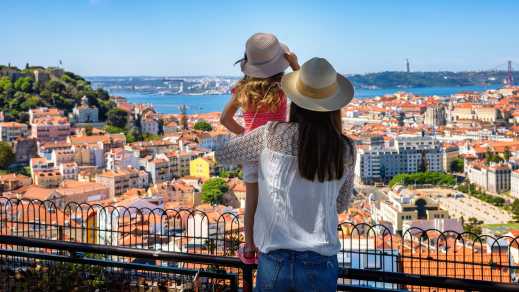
(293, 213)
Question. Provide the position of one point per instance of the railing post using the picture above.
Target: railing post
(247, 278)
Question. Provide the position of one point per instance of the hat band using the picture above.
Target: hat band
(322, 92)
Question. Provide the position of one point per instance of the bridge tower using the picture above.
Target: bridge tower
(510, 76)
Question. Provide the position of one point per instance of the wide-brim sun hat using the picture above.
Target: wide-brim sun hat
(318, 87)
(265, 56)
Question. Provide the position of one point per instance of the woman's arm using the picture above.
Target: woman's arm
(227, 117)
(243, 148)
(343, 200)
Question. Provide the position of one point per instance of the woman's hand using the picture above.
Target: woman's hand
(292, 61)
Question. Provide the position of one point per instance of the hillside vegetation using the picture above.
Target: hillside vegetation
(394, 79)
(23, 89)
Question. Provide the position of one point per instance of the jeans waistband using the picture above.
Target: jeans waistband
(285, 254)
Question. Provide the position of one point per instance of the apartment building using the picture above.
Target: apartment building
(405, 205)
(486, 113)
(119, 158)
(514, 183)
(39, 164)
(82, 192)
(150, 124)
(159, 168)
(69, 170)
(107, 141)
(89, 155)
(50, 129)
(202, 167)
(470, 111)
(60, 156)
(13, 181)
(117, 182)
(47, 179)
(10, 131)
(171, 128)
(120, 181)
(44, 112)
(409, 153)
(46, 149)
(212, 140)
(494, 178)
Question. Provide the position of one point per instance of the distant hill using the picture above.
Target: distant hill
(34, 86)
(393, 79)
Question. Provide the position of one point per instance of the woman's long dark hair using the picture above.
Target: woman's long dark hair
(321, 143)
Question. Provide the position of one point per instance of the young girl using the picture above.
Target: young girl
(261, 99)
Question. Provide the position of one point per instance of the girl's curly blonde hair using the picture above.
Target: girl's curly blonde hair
(253, 93)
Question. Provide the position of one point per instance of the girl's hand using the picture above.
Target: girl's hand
(292, 61)
(249, 250)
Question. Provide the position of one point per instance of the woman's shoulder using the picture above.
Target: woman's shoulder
(276, 126)
(280, 130)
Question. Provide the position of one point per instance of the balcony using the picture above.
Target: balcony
(90, 246)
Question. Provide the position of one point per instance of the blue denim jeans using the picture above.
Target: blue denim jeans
(286, 270)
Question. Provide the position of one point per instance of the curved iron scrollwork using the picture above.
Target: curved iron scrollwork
(364, 246)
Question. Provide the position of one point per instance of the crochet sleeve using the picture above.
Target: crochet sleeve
(346, 191)
(242, 149)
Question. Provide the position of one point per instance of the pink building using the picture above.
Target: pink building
(50, 129)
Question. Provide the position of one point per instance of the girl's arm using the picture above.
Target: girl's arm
(292, 61)
(227, 117)
(251, 203)
(242, 149)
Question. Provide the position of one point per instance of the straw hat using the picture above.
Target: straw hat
(264, 56)
(318, 87)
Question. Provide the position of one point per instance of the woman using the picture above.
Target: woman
(305, 175)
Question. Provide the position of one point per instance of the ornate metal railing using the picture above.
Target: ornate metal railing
(176, 243)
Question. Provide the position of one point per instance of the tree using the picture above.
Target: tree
(230, 173)
(213, 190)
(423, 178)
(134, 135)
(30, 102)
(117, 117)
(457, 165)
(88, 130)
(506, 154)
(6, 155)
(423, 163)
(515, 210)
(23, 84)
(491, 157)
(473, 225)
(203, 125)
(5, 84)
(55, 86)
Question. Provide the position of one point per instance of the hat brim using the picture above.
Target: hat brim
(275, 66)
(342, 96)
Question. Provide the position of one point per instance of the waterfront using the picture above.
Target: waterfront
(215, 103)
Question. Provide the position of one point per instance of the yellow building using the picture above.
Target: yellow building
(202, 167)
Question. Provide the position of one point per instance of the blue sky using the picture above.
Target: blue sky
(125, 37)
